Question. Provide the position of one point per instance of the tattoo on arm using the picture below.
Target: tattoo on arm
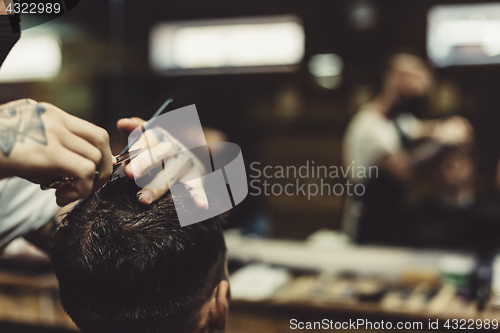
(19, 123)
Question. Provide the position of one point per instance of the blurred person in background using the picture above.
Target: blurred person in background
(381, 134)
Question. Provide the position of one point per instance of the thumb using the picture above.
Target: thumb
(127, 125)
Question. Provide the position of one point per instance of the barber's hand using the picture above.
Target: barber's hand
(454, 130)
(42, 143)
(185, 167)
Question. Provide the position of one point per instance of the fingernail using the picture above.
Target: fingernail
(146, 197)
(201, 202)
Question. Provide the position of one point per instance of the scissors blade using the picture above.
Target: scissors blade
(128, 156)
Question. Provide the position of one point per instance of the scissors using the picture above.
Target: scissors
(127, 156)
(124, 156)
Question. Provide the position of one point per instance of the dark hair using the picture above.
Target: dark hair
(389, 64)
(128, 268)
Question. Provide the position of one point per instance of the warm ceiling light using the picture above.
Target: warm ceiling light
(221, 46)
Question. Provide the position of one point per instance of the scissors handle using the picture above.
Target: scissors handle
(59, 182)
(129, 155)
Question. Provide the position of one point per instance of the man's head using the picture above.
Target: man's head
(123, 267)
(454, 168)
(408, 79)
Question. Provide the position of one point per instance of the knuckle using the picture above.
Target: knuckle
(97, 157)
(87, 169)
(102, 136)
(160, 133)
(163, 151)
(47, 106)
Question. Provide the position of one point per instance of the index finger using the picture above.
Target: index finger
(156, 144)
(83, 172)
(98, 137)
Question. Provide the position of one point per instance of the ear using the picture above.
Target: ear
(219, 307)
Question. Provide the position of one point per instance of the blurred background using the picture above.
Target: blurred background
(283, 80)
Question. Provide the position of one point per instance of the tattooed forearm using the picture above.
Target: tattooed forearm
(18, 123)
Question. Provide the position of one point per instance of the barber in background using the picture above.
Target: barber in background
(381, 134)
(40, 143)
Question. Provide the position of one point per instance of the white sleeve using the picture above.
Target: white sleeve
(409, 124)
(24, 207)
(368, 138)
(373, 146)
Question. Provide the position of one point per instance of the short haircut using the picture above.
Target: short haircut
(128, 268)
(404, 59)
(400, 61)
